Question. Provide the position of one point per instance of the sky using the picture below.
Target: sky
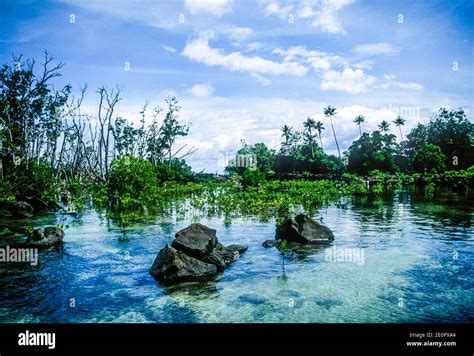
(242, 69)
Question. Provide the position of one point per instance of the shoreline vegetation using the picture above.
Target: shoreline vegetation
(55, 158)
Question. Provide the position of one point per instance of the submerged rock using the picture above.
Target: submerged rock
(45, 237)
(302, 229)
(195, 254)
(252, 299)
(269, 243)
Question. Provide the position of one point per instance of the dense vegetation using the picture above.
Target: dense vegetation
(51, 151)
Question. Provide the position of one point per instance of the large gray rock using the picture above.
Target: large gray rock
(196, 241)
(173, 266)
(45, 237)
(302, 229)
(195, 254)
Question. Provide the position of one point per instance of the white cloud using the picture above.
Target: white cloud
(316, 59)
(201, 90)
(365, 64)
(167, 92)
(198, 49)
(215, 7)
(391, 82)
(274, 8)
(349, 80)
(254, 46)
(169, 49)
(324, 14)
(236, 33)
(374, 49)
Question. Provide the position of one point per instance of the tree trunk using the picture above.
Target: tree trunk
(335, 138)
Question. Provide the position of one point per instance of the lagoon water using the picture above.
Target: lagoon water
(405, 259)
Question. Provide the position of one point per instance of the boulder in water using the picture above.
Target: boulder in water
(45, 237)
(194, 254)
(302, 229)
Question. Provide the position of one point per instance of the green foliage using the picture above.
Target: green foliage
(265, 156)
(29, 115)
(272, 198)
(252, 177)
(132, 182)
(452, 132)
(430, 159)
(371, 152)
(377, 188)
(33, 179)
(7, 190)
(174, 170)
(300, 152)
(282, 246)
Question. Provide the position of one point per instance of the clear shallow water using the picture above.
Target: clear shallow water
(416, 267)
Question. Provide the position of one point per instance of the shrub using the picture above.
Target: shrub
(429, 159)
(132, 182)
(34, 179)
(252, 177)
(175, 170)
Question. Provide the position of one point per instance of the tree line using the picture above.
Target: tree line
(46, 137)
(446, 142)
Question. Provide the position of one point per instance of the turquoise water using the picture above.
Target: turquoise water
(408, 259)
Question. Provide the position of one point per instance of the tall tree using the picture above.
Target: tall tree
(384, 126)
(310, 125)
(330, 112)
(399, 122)
(286, 133)
(358, 120)
(319, 126)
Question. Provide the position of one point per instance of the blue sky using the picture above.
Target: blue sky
(242, 69)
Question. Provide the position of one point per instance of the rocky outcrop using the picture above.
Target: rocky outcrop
(23, 208)
(302, 229)
(45, 237)
(194, 254)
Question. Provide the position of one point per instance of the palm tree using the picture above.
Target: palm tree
(359, 119)
(309, 126)
(329, 112)
(384, 126)
(287, 132)
(399, 122)
(319, 126)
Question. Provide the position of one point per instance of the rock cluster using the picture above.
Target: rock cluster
(194, 254)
